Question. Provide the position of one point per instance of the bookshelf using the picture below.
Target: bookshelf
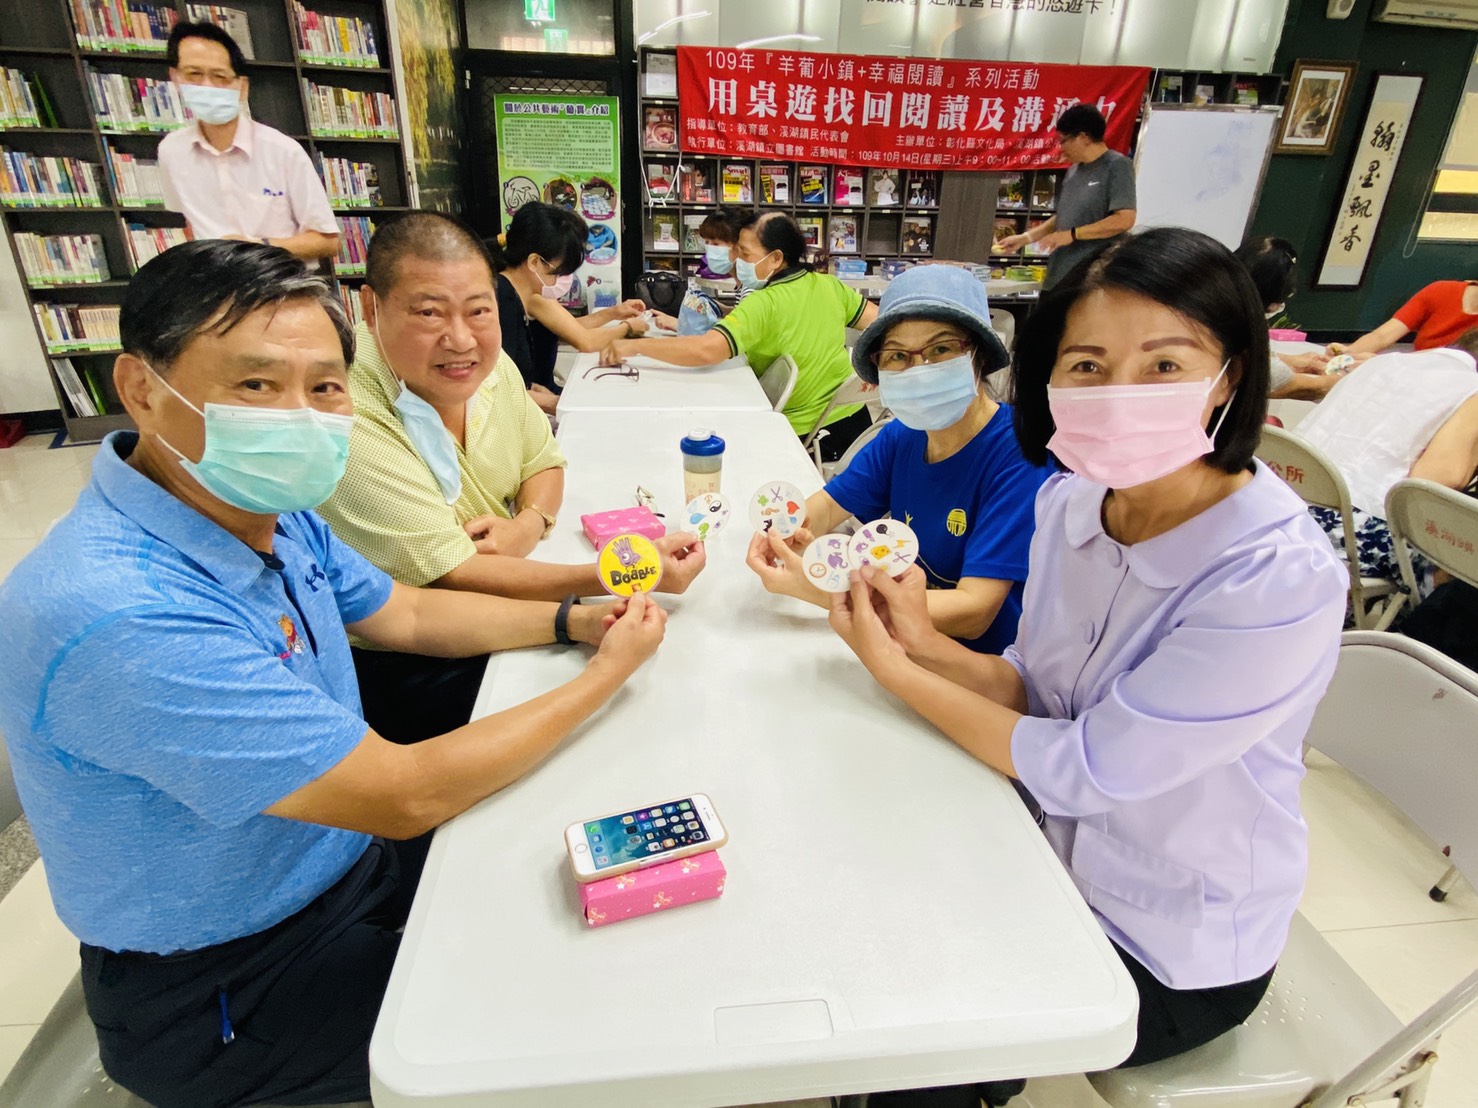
(866, 215)
(1024, 198)
(90, 199)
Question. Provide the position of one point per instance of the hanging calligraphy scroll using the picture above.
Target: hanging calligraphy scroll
(1372, 166)
(851, 109)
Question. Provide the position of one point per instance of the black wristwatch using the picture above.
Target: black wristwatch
(562, 620)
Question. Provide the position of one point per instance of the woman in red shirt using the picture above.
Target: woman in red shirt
(1439, 314)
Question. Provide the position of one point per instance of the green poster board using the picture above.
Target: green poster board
(566, 150)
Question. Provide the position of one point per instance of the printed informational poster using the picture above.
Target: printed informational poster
(565, 150)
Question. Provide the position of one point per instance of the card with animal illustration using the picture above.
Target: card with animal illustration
(887, 544)
(828, 563)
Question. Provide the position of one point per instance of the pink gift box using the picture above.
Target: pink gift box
(670, 885)
(602, 527)
(1287, 336)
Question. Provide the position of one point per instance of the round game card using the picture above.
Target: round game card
(828, 563)
(706, 515)
(778, 506)
(1340, 363)
(886, 544)
(629, 564)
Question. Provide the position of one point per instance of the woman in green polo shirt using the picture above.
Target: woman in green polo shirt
(794, 310)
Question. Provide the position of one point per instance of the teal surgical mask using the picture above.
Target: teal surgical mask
(267, 460)
(718, 258)
(423, 426)
(211, 105)
(748, 275)
(930, 397)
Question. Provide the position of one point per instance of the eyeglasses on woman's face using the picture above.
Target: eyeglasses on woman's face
(894, 359)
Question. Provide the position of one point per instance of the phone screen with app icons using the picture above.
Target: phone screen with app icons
(644, 833)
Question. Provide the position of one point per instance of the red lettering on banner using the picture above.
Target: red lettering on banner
(734, 102)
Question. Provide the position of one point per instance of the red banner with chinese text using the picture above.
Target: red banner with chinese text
(850, 109)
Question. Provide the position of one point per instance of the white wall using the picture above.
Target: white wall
(25, 382)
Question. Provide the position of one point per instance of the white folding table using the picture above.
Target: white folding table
(730, 385)
(893, 918)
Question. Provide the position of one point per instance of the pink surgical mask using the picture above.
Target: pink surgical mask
(1125, 435)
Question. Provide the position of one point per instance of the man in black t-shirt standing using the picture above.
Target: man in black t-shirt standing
(1096, 203)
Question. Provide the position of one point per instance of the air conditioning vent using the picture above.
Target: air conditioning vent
(1462, 14)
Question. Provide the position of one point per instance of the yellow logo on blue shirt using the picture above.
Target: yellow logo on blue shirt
(955, 523)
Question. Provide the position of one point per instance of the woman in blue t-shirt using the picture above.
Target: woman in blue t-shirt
(948, 466)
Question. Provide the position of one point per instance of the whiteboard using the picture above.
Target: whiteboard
(1202, 168)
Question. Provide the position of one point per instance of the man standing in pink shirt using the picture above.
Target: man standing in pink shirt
(232, 177)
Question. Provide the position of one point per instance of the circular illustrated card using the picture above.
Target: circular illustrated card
(706, 515)
(828, 563)
(778, 506)
(887, 544)
(1340, 363)
(629, 564)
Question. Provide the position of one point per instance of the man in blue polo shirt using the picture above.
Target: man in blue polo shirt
(182, 713)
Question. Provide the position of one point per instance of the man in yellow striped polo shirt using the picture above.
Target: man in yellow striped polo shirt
(453, 475)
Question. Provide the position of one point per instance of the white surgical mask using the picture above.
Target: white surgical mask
(930, 397)
(718, 258)
(210, 104)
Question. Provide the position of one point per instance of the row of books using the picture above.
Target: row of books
(73, 327)
(691, 182)
(838, 236)
(62, 259)
(350, 184)
(335, 112)
(147, 243)
(127, 26)
(1012, 191)
(23, 102)
(32, 181)
(137, 182)
(334, 39)
(354, 236)
(349, 295)
(81, 388)
(231, 20)
(1176, 89)
(133, 103)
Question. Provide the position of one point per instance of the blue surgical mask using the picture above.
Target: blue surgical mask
(428, 434)
(718, 258)
(268, 460)
(747, 274)
(930, 397)
(210, 104)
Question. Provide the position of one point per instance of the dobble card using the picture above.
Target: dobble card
(778, 506)
(887, 544)
(828, 563)
(629, 564)
(706, 515)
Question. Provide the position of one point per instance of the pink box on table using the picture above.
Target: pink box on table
(1287, 335)
(602, 527)
(642, 891)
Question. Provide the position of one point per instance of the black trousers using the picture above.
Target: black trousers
(843, 433)
(297, 1002)
(1171, 1022)
(408, 698)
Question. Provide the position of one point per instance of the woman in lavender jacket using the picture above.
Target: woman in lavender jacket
(1180, 623)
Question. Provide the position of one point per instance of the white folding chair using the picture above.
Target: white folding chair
(1400, 716)
(831, 469)
(779, 381)
(1003, 323)
(854, 390)
(1310, 473)
(1441, 523)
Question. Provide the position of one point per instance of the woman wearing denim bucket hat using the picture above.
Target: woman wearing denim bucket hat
(1181, 624)
(948, 465)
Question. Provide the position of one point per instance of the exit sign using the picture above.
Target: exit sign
(538, 11)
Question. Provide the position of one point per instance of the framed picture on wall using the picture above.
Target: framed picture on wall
(1317, 94)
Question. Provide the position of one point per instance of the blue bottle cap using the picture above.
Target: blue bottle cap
(701, 443)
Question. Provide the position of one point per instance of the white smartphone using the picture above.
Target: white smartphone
(624, 841)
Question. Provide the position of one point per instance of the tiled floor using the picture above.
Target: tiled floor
(1370, 870)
